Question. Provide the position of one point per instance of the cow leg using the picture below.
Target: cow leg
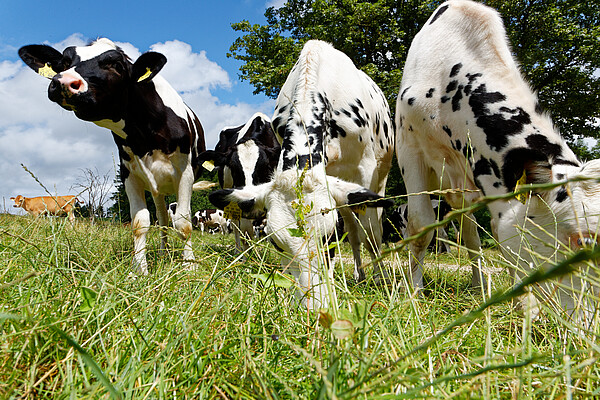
(140, 222)
(237, 235)
(470, 238)
(354, 237)
(183, 216)
(163, 220)
(420, 214)
(371, 221)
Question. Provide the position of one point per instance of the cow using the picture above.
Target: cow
(467, 120)
(245, 155)
(396, 222)
(211, 219)
(158, 137)
(336, 136)
(48, 205)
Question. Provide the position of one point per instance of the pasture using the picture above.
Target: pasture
(74, 324)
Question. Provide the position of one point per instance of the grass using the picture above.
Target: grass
(73, 324)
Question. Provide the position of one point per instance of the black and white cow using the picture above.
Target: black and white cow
(158, 136)
(467, 119)
(395, 225)
(205, 220)
(337, 143)
(245, 155)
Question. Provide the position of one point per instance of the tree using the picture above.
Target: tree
(556, 41)
(95, 188)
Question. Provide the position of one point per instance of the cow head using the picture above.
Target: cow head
(321, 194)
(18, 201)
(247, 154)
(92, 81)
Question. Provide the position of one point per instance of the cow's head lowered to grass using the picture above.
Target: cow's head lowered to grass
(299, 224)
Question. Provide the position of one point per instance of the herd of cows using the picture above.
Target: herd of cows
(465, 121)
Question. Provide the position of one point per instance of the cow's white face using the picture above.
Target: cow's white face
(321, 194)
(92, 81)
(544, 229)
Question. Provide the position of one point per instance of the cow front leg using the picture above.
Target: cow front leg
(183, 216)
(352, 227)
(140, 222)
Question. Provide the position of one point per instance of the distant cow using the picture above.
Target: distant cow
(396, 223)
(48, 205)
(467, 120)
(158, 136)
(336, 149)
(206, 220)
(245, 155)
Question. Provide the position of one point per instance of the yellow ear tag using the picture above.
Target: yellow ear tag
(521, 182)
(359, 209)
(46, 71)
(208, 165)
(146, 75)
(232, 211)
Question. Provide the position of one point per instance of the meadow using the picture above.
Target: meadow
(74, 324)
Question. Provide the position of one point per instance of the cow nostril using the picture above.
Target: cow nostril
(75, 85)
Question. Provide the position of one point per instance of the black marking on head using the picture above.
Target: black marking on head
(455, 70)
(411, 101)
(439, 13)
(429, 93)
(445, 99)
(562, 194)
(447, 130)
(514, 164)
(482, 167)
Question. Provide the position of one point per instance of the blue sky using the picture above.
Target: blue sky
(51, 142)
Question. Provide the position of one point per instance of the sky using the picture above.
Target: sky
(51, 142)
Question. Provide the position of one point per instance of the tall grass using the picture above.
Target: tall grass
(75, 325)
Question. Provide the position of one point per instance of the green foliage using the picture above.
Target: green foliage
(555, 41)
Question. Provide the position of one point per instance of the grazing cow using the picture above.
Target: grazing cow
(396, 223)
(467, 120)
(245, 155)
(211, 219)
(50, 205)
(158, 136)
(337, 142)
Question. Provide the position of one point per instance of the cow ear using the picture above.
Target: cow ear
(347, 193)
(250, 199)
(219, 159)
(147, 66)
(43, 59)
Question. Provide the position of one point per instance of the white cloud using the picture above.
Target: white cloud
(275, 3)
(54, 145)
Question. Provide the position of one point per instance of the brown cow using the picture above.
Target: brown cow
(51, 205)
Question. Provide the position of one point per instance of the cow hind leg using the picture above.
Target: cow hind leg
(352, 227)
(163, 220)
(471, 240)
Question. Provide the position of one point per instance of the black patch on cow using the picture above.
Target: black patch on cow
(358, 119)
(455, 70)
(445, 99)
(497, 127)
(218, 198)
(429, 93)
(438, 14)
(279, 249)
(497, 184)
(514, 164)
(411, 101)
(458, 145)
(369, 198)
(451, 86)
(495, 168)
(403, 93)
(562, 194)
(541, 143)
(482, 167)
(456, 99)
(447, 130)
(562, 161)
